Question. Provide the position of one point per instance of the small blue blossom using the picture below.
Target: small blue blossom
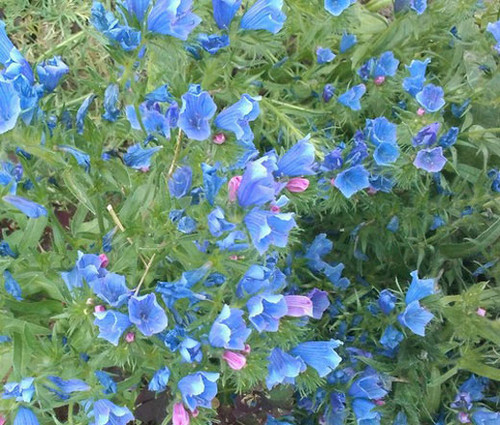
(431, 98)
(152, 118)
(427, 135)
(211, 181)
(437, 222)
(50, 72)
(365, 412)
(415, 318)
(386, 65)
(229, 330)
(179, 184)
(198, 389)
(265, 311)
(174, 18)
(324, 55)
(264, 15)
(235, 241)
(430, 160)
(87, 268)
(449, 138)
(30, 208)
(21, 391)
(236, 118)
(190, 350)
(137, 8)
(224, 12)
(111, 109)
(298, 160)
(159, 380)
(217, 224)
(107, 413)
(336, 7)
(347, 41)
(145, 312)
(484, 416)
(259, 278)
(213, 43)
(283, 368)
(319, 355)
(112, 289)
(386, 301)
(419, 288)
(369, 386)
(82, 158)
(111, 325)
(352, 180)
(257, 185)
(328, 92)
(196, 111)
(65, 387)
(391, 338)
(138, 157)
(494, 29)
(418, 6)
(187, 225)
(82, 112)
(415, 82)
(351, 98)
(105, 379)
(12, 286)
(25, 416)
(393, 224)
(6, 251)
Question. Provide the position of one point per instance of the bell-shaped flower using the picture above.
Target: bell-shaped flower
(430, 160)
(138, 157)
(111, 325)
(283, 368)
(159, 380)
(298, 160)
(431, 98)
(211, 181)
(25, 416)
(351, 98)
(174, 18)
(229, 330)
(196, 111)
(21, 391)
(105, 412)
(265, 311)
(51, 71)
(415, 82)
(179, 184)
(112, 289)
(30, 208)
(415, 318)
(352, 180)
(224, 12)
(198, 389)
(419, 288)
(237, 117)
(257, 185)
(264, 15)
(319, 355)
(145, 312)
(213, 43)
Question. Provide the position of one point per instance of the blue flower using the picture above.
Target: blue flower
(475, 386)
(415, 318)
(213, 43)
(319, 355)
(419, 288)
(391, 338)
(324, 55)
(380, 130)
(494, 29)
(173, 17)
(259, 278)
(160, 94)
(65, 387)
(415, 83)
(283, 368)
(224, 12)
(257, 185)
(138, 157)
(298, 160)
(10, 106)
(351, 98)
(386, 301)
(87, 268)
(229, 243)
(365, 413)
(437, 221)
(217, 224)
(159, 380)
(180, 182)
(320, 302)
(6, 251)
(236, 118)
(229, 330)
(51, 71)
(81, 158)
(111, 110)
(21, 391)
(264, 15)
(393, 224)
(5, 44)
(107, 413)
(106, 381)
(418, 6)
(187, 225)
(82, 112)
(267, 228)
(430, 160)
(111, 325)
(449, 138)
(198, 389)
(11, 285)
(152, 118)
(484, 416)
(386, 65)
(328, 92)
(11, 174)
(265, 311)
(431, 98)
(25, 416)
(190, 350)
(386, 153)
(196, 111)
(352, 180)
(347, 41)
(112, 289)
(137, 8)
(318, 248)
(211, 181)
(369, 385)
(146, 314)
(427, 135)
(336, 7)
(30, 208)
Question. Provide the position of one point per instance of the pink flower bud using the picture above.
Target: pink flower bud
(235, 361)
(332, 182)
(233, 257)
(144, 169)
(420, 111)
(104, 260)
(379, 402)
(463, 418)
(99, 308)
(481, 312)
(247, 349)
(195, 412)
(275, 209)
(219, 138)
(130, 337)
(233, 186)
(297, 184)
(371, 191)
(2, 420)
(180, 415)
(379, 80)
(299, 305)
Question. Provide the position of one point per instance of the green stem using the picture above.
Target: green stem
(69, 40)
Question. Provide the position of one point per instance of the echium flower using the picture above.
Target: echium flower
(198, 389)
(283, 368)
(264, 15)
(146, 314)
(224, 11)
(229, 330)
(336, 7)
(196, 111)
(237, 117)
(320, 355)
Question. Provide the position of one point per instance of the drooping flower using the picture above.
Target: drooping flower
(419, 288)
(179, 184)
(415, 82)
(138, 157)
(320, 302)
(213, 43)
(264, 15)
(224, 11)
(107, 382)
(431, 160)
(236, 118)
(211, 181)
(21, 391)
(146, 314)
(319, 355)
(65, 387)
(112, 289)
(324, 55)
(111, 325)
(427, 135)
(107, 413)
(267, 228)
(196, 111)
(298, 160)
(431, 98)
(235, 361)
(494, 29)
(217, 224)
(351, 98)
(415, 318)
(365, 412)
(111, 109)
(265, 311)
(159, 380)
(12, 286)
(174, 18)
(391, 338)
(198, 389)
(51, 71)
(229, 330)
(81, 157)
(347, 41)
(352, 180)
(25, 416)
(283, 368)
(82, 112)
(30, 208)
(336, 7)
(298, 306)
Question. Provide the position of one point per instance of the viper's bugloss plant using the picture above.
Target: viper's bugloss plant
(259, 212)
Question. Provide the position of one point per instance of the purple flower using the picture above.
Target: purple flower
(431, 98)
(431, 160)
(427, 135)
(352, 180)
(299, 306)
(320, 302)
(351, 98)
(196, 111)
(146, 314)
(229, 330)
(449, 138)
(264, 15)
